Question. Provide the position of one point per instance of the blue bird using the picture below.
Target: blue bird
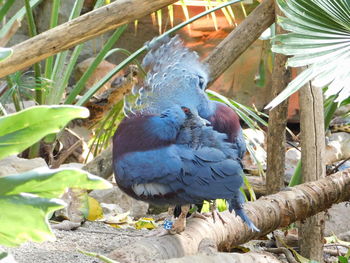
(177, 147)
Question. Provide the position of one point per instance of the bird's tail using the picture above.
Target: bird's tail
(236, 203)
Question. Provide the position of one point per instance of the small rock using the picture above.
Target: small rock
(116, 196)
(337, 221)
(111, 208)
(72, 165)
(10, 108)
(15, 165)
(256, 139)
(292, 158)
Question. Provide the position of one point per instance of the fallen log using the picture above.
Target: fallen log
(268, 213)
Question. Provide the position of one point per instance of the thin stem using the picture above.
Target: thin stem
(15, 98)
(37, 72)
(53, 23)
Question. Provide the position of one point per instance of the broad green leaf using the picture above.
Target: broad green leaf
(28, 199)
(20, 130)
(49, 183)
(319, 39)
(24, 217)
(5, 53)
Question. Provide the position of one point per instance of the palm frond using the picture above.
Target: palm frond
(319, 40)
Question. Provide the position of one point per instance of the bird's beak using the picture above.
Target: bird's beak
(202, 121)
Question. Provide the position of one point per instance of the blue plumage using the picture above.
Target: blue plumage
(177, 147)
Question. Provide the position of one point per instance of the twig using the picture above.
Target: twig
(282, 250)
(337, 245)
(333, 252)
(65, 154)
(101, 257)
(84, 229)
(335, 169)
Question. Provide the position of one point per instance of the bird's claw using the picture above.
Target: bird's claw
(217, 213)
(178, 226)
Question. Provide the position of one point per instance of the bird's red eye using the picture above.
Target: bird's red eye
(186, 110)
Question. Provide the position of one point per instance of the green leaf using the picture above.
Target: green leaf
(49, 183)
(342, 259)
(28, 199)
(5, 8)
(20, 130)
(5, 53)
(319, 39)
(3, 255)
(24, 217)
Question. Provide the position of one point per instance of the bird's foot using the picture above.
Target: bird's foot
(180, 224)
(203, 216)
(215, 213)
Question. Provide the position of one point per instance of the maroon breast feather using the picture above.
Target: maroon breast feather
(225, 120)
(132, 136)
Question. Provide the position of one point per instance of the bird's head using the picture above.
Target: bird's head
(175, 77)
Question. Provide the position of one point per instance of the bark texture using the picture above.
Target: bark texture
(276, 135)
(268, 213)
(99, 105)
(79, 30)
(311, 231)
(240, 39)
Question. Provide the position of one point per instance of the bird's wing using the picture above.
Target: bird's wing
(188, 175)
(207, 174)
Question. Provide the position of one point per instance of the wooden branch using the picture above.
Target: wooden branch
(103, 103)
(276, 135)
(268, 213)
(13, 29)
(240, 39)
(79, 30)
(311, 232)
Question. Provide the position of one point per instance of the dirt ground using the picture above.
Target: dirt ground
(94, 237)
(101, 238)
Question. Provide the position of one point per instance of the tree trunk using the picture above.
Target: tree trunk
(79, 30)
(313, 165)
(276, 135)
(268, 213)
(240, 39)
